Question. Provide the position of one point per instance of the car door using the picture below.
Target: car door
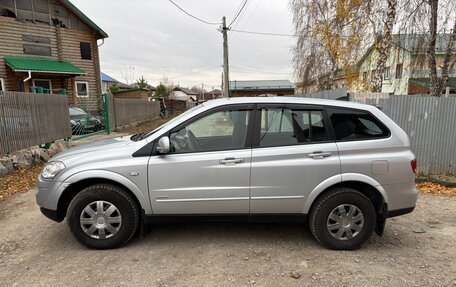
(293, 151)
(208, 168)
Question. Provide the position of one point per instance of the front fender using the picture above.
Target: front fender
(112, 176)
(342, 178)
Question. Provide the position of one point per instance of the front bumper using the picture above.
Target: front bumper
(49, 193)
(51, 214)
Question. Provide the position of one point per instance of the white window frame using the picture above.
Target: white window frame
(76, 88)
(401, 65)
(387, 73)
(50, 83)
(2, 85)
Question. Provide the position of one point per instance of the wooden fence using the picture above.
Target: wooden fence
(28, 119)
(127, 111)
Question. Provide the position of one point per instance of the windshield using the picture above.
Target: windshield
(77, 112)
(173, 120)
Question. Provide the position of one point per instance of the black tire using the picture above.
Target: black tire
(321, 210)
(114, 195)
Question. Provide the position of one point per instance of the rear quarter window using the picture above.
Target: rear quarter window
(351, 124)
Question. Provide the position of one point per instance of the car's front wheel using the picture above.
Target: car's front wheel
(103, 216)
(342, 219)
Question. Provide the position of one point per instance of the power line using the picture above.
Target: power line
(238, 13)
(194, 17)
(236, 25)
(262, 33)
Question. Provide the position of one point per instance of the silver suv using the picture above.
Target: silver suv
(340, 167)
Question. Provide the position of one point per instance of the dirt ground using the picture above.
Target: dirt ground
(36, 251)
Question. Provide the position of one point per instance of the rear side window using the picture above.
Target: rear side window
(284, 126)
(356, 125)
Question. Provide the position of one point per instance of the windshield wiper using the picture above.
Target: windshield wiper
(137, 137)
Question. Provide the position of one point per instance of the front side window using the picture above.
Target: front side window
(82, 89)
(356, 125)
(222, 130)
(284, 126)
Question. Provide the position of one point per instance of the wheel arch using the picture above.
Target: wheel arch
(360, 182)
(83, 180)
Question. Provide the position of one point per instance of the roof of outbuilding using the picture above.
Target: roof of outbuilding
(107, 78)
(185, 90)
(261, 85)
(420, 42)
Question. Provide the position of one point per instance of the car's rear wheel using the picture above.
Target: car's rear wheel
(103, 216)
(342, 219)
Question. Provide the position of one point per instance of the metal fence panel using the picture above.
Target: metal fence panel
(29, 119)
(430, 123)
(336, 94)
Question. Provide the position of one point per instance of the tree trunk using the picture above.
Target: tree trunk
(435, 87)
(383, 45)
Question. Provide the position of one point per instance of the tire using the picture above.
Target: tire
(337, 230)
(103, 216)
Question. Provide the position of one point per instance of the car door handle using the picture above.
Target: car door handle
(319, 154)
(231, 161)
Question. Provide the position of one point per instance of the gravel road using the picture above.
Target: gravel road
(36, 251)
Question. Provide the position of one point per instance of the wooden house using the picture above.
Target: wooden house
(49, 46)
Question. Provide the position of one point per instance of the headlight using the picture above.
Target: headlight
(52, 169)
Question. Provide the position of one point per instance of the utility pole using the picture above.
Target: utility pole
(202, 90)
(226, 71)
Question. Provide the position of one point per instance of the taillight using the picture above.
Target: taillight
(413, 163)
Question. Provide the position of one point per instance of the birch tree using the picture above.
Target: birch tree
(383, 40)
(330, 37)
(437, 82)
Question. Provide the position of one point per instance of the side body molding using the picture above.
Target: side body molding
(341, 178)
(112, 176)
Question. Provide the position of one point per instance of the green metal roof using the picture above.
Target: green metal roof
(426, 82)
(20, 64)
(86, 19)
(261, 85)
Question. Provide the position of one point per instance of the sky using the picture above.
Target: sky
(154, 39)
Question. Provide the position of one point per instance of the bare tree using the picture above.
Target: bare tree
(383, 40)
(128, 75)
(429, 22)
(330, 37)
(437, 82)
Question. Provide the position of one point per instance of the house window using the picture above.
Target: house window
(2, 85)
(82, 89)
(399, 69)
(41, 86)
(36, 45)
(386, 73)
(86, 52)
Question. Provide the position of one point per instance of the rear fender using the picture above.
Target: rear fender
(336, 179)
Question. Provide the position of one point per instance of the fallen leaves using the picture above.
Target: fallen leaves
(436, 189)
(18, 182)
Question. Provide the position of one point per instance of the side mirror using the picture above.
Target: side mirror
(163, 145)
